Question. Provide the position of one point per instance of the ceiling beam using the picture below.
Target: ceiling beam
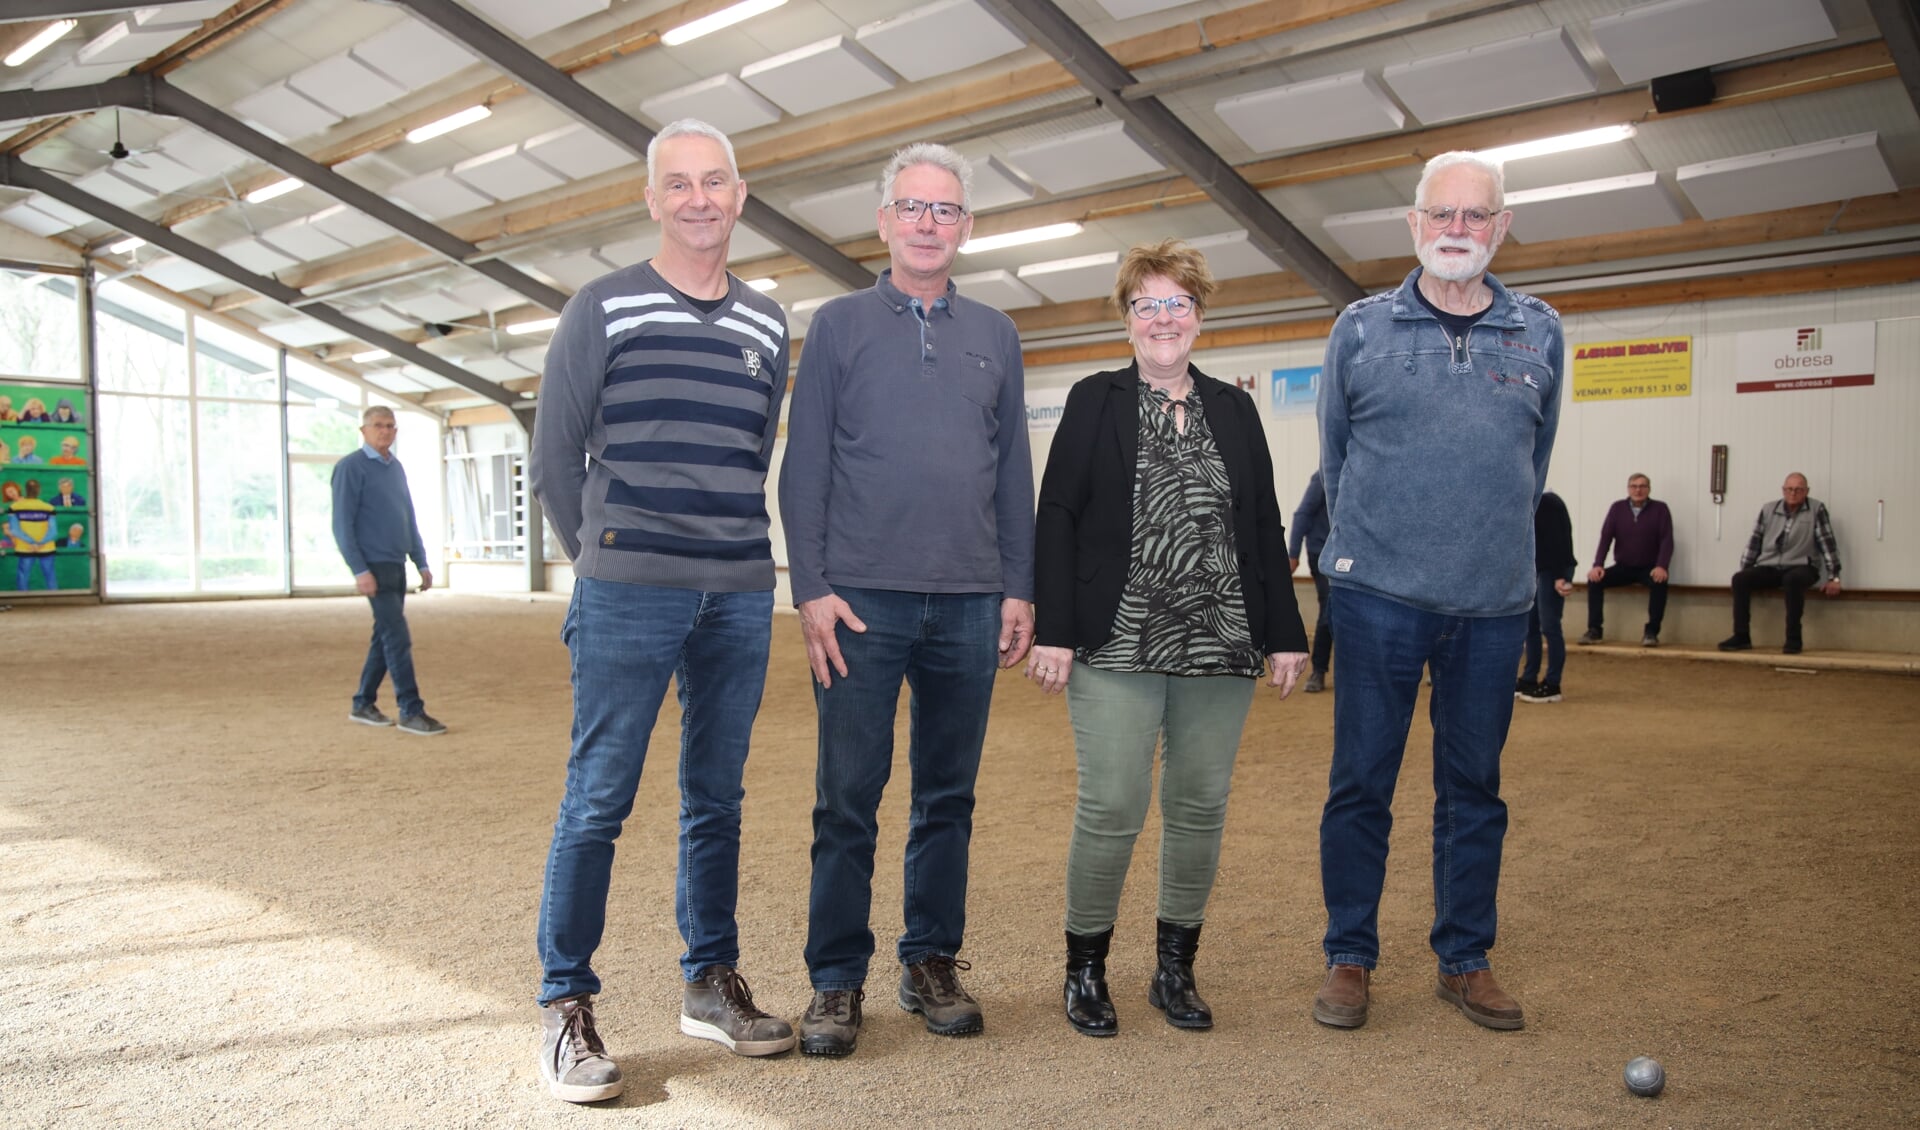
(17, 172)
(1179, 146)
(622, 129)
(17, 10)
(1900, 27)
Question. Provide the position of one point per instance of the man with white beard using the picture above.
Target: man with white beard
(1437, 411)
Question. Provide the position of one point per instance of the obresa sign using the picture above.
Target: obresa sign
(1805, 357)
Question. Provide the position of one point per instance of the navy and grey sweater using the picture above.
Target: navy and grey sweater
(373, 512)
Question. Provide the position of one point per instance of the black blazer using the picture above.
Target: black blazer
(1084, 532)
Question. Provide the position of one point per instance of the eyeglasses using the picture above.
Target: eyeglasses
(1178, 305)
(1441, 218)
(909, 209)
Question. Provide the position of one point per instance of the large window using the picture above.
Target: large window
(39, 325)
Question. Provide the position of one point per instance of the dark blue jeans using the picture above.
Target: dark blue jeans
(627, 641)
(1618, 576)
(390, 655)
(1323, 621)
(1548, 609)
(946, 647)
(1383, 646)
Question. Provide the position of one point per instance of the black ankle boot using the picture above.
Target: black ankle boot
(1172, 989)
(1089, 1008)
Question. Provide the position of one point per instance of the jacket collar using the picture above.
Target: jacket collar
(1503, 311)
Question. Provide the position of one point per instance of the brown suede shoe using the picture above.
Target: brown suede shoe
(1342, 999)
(1482, 999)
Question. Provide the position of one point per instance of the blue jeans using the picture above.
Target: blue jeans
(1323, 619)
(390, 654)
(947, 647)
(1383, 646)
(23, 570)
(627, 641)
(1544, 620)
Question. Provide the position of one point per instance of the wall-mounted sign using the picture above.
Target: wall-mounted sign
(1044, 406)
(1295, 391)
(1633, 370)
(1805, 357)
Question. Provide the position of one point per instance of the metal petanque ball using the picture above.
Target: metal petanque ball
(1645, 1076)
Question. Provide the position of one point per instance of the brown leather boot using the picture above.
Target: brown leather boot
(1481, 999)
(1342, 999)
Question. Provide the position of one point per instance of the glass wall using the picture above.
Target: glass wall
(39, 325)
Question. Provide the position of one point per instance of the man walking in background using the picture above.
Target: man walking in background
(1310, 526)
(374, 526)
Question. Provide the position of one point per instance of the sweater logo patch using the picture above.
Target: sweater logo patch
(607, 538)
(1510, 379)
(1344, 565)
(753, 361)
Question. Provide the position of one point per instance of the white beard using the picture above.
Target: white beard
(1452, 268)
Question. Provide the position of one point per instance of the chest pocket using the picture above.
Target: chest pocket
(979, 380)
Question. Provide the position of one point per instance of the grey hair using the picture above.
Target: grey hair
(928, 153)
(1640, 475)
(376, 410)
(1493, 169)
(690, 127)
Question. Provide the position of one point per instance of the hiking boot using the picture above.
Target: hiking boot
(1316, 682)
(573, 1061)
(422, 725)
(832, 1022)
(1591, 635)
(931, 988)
(718, 1006)
(1541, 692)
(369, 715)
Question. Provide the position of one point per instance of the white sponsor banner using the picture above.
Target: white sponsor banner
(1804, 357)
(1044, 406)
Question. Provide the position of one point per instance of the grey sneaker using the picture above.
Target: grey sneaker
(1316, 682)
(1591, 636)
(422, 725)
(1649, 639)
(931, 988)
(718, 1006)
(369, 715)
(832, 1022)
(573, 1061)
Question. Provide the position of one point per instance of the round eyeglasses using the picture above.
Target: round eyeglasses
(909, 209)
(1441, 218)
(1178, 305)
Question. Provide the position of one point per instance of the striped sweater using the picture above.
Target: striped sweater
(653, 430)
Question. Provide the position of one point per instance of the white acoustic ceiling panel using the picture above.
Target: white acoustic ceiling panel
(435, 306)
(935, 39)
(1232, 255)
(528, 18)
(1595, 207)
(818, 75)
(348, 225)
(1127, 9)
(381, 318)
(192, 12)
(438, 194)
(28, 218)
(202, 152)
(574, 269)
(284, 112)
(800, 314)
(75, 73)
(1086, 157)
(576, 152)
(1540, 67)
(506, 174)
(1069, 280)
(412, 54)
(1680, 35)
(496, 368)
(532, 357)
(486, 294)
(1334, 108)
(749, 244)
(1000, 289)
(638, 249)
(995, 185)
(841, 212)
(256, 255)
(158, 171)
(177, 274)
(127, 43)
(345, 85)
(1380, 233)
(302, 332)
(722, 101)
(114, 189)
(1838, 169)
(303, 240)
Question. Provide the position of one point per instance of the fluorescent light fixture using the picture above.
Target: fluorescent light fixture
(763, 285)
(1566, 142)
(538, 325)
(370, 356)
(40, 42)
(277, 188)
(725, 17)
(131, 243)
(1017, 238)
(450, 123)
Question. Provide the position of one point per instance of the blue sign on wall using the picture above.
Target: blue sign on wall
(1295, 390)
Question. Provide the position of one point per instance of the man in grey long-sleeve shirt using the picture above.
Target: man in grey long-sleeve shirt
(907, 497)
(374, 526)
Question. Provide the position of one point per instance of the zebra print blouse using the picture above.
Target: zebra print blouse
(1182, 611)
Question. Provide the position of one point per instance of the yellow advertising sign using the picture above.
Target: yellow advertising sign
(1633, 370)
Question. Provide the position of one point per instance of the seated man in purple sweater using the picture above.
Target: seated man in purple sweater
(1640, 530)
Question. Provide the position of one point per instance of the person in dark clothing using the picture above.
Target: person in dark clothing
(1640, 531)
(1310, 526)
(1553, 563)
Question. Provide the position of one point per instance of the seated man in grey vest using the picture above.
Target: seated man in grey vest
(1792, 546)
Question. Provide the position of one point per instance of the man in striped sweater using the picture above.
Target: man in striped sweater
(657, 416)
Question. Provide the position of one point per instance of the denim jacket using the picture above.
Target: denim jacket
(1434, 451)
